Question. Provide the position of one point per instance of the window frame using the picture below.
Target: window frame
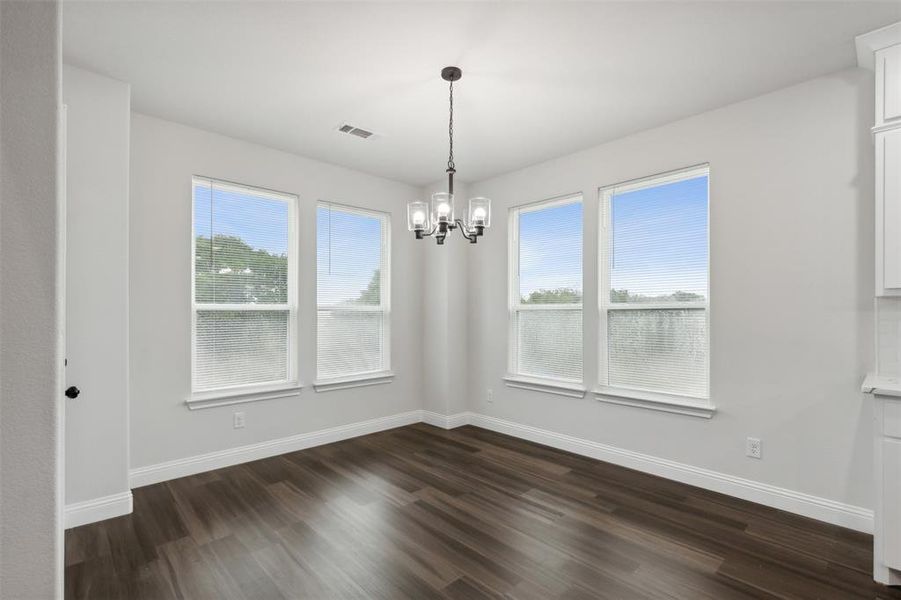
(384, 374)
(701, 406)
(515, 377)
(233, 394)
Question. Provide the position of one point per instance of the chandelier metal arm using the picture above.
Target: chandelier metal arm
(421, 234)
(470, 234)
(440, 231)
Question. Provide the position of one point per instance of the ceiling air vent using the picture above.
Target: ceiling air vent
(351, 130)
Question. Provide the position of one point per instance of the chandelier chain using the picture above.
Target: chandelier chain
(450, 129)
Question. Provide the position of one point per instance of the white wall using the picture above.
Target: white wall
(30, 359)
(445, 280)
(164, 156)
(98, 117)
(791, 230)
(791, 270)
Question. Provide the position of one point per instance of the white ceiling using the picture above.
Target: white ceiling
(540, 80)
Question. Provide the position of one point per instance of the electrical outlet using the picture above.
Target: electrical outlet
(490, 396)
(752, 447)
(239, 420)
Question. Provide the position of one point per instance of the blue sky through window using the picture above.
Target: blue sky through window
(550, 249)
(348, 252)
(260, 221)
(659, 239)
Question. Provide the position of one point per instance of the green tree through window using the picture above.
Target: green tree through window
(677, 296)
(372, 293)
(229, 271)
(563, 295)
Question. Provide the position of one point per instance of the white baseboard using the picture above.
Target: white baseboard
(98, 509)
(445, 421)
(225, 458)
(822, 509)
(815, 507)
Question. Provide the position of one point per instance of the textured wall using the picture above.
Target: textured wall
(30, 394)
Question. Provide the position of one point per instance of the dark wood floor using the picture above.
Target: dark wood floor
(419, 512)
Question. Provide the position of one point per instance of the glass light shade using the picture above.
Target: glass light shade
(442, 208)
(418, 216)
(479, 212)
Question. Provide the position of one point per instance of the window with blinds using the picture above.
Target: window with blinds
(353, 291)
(243, 295)
(654, 284)
(546, 290)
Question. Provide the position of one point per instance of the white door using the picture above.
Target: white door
(96, 284)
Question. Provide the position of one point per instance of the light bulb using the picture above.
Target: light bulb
(443, 210)
(478, 215)
(418, 218)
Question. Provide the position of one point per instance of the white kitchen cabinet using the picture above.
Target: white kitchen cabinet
(891, 513)
(880, 51)
(888, 211)
(887, 470)
(887, 65)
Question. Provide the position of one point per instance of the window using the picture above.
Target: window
(244, 308)
(546, 290)
(654, 285)
(353, 291)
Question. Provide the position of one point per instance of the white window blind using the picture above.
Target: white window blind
(243, 293)
(546, 290)
(654, 284)
(353, 291)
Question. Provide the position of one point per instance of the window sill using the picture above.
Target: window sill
(550, 386)
(352, 381)
(683, 405)
(240, 396)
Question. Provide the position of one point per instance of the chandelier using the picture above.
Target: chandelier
(438, 219)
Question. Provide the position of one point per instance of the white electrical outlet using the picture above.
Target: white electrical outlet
(239, 420)
(490, 396)
(752, 447)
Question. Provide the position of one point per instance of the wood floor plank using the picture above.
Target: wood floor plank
(420, 512)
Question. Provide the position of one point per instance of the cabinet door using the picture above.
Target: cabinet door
(888, 198)
(890, 524)
(888, 85)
